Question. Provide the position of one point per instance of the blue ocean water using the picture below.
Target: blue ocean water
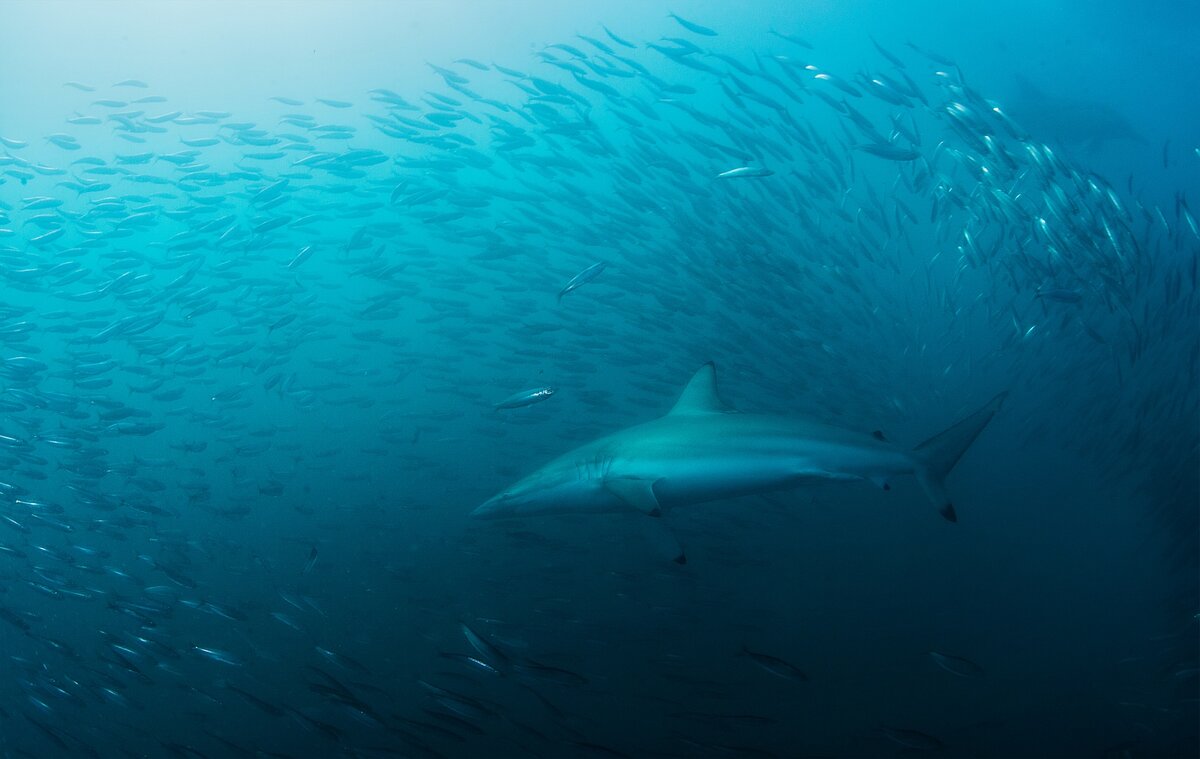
(292, 288)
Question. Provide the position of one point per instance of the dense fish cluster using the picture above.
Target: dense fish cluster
(258, 369)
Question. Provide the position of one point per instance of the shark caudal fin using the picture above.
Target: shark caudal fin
(938, 455)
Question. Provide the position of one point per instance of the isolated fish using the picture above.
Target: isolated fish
(491, 653)
(775, 665)
(889, 151)
(471, 662)
(217, 655)
(582, 278)
(792, 38)
(956, 665)
(528, 669)
(1059, 294)
(745, 171)
(526, 398)
(912, 739)
(692, 27)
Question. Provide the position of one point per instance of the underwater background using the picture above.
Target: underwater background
(279, 279)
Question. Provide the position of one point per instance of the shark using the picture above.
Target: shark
(705, 450)
(1071, 122)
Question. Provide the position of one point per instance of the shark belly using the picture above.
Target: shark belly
(718, 458)
(729, 475)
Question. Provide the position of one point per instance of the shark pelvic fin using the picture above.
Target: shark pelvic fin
(667, 544)
(637, 493)
(700, 395)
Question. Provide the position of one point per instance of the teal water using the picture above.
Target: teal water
(270, 269)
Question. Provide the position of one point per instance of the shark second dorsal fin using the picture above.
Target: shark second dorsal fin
(700, 394)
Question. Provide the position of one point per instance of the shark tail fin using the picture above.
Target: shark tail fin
(938, 455)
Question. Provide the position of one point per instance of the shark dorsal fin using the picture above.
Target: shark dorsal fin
(700, 394)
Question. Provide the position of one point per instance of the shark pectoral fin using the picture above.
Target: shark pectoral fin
(881, 483)
(938, 455)
(667, 544)
(637, 493)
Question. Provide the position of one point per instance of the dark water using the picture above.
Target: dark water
(269, 268)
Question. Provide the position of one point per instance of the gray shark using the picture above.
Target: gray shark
(703, 450)
(1069, 121)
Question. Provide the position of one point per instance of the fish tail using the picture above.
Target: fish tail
(938, 455)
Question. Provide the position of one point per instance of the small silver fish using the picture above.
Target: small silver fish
(526, 398)
(956, 665)
(775, 665)
(471, 661)
(913, 739)
(218, 655)
(582, 278)
(1060, 294)
(889, 151)
(693, 27)
(745, 171)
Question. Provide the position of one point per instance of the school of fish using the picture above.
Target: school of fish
(258, 371)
